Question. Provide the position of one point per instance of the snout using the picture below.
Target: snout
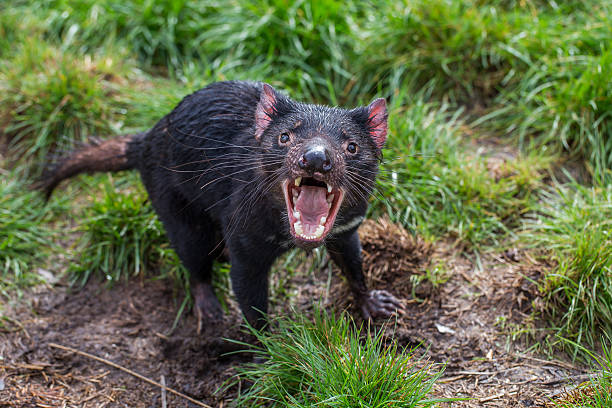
(316, 158)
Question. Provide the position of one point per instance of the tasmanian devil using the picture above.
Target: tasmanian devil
(238, 165)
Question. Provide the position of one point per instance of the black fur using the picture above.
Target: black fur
(215, 185)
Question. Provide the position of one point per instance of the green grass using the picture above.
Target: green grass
(52, 99)
(326, 362)
(539, 68)
(306, 42)
(25, 238)
(435, 185)
(574, 228)
(565, 103)
(452, 43)
(475, 48)
(147, 103)
(122, 237)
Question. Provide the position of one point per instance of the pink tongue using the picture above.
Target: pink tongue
(312, 205)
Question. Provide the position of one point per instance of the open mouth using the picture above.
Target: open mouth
(312, 206)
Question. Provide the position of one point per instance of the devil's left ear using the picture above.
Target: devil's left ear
(377, 121)
(265, 110)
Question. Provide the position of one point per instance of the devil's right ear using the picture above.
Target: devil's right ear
(265, 110)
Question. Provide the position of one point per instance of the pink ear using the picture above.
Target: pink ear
(265, 110)
(377, 121)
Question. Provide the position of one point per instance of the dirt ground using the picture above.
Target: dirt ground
(463, 323)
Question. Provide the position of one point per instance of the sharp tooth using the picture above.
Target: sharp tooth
(322, 220)
(296, 214)
(329, 189)
(295, 194)
(319, 231)
(330, 198)
(298, 228)
(298, 181)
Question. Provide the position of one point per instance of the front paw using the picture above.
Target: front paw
(379, 304)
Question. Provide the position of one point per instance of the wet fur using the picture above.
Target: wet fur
(214, 184)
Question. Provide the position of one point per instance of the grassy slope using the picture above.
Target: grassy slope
(574, 223)
(537, 72)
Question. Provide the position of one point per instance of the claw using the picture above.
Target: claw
(380, 303)
(198, 314)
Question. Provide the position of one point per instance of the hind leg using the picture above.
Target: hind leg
(196, 242)
(195, 246)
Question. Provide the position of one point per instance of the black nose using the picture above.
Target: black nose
(316, 159)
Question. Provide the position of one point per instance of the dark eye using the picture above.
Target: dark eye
(351, 148)
(284, 138)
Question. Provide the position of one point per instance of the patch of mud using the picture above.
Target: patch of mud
(463, 323)
(466, 322)
(128, 325)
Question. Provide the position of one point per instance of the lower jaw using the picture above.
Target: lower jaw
(316, 239)
(310, 241)
(317, 235)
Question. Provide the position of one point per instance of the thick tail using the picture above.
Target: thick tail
(98, 156)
